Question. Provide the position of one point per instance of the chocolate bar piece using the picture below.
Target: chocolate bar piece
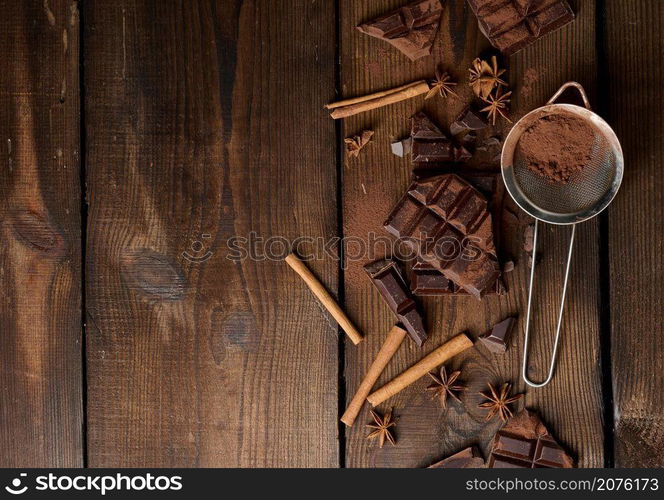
(446, 221)
(524, 442)
(411, 29)
(511, 25)
(428, 281)
(431, 148)
(387, 278)
(468, 120)
(497, 338)
(470, 458)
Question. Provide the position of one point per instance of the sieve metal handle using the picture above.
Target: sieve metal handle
(567, 85)
(560, 313)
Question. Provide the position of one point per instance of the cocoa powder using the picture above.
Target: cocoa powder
(557, 146)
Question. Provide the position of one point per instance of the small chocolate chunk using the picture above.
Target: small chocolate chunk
(387, 278)
(411, 29)
(403, 147)
(496, 339)
(470, 120)
(524, 442)
(469, 458)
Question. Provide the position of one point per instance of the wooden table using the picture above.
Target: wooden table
(137, 138)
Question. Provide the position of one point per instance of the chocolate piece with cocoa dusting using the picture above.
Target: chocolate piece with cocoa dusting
(446, 220)
(511, 25)
(425, 279)
(411, 29)
(524, 442)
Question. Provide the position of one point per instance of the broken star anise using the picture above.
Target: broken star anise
(497, 105)
(382, 428)
(442, 85)
(355, 144)
(484, 77)
(499, 402)
(443, 386)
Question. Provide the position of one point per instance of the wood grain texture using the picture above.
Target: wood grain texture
(633, 46)
(572, 405)
(40, 251)
(205, 121)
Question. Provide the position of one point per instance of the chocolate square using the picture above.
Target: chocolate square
(511, 25)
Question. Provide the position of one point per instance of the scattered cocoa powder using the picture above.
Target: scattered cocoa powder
(557, 146)
(530, 79)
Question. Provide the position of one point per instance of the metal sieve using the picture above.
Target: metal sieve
(587, 193)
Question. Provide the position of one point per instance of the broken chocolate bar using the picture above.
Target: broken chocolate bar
(411, 29)
(524, 442)
(387, 278)
(470, 458)
(431, 148)
(428, 281)
(497, 338)
(446, 221)
(511, 25)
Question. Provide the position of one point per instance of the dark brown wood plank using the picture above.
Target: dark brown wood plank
(572, 404)
(205, 121)
(40, 248)
(633, 46)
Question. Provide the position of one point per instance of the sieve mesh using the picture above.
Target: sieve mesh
(584, 190)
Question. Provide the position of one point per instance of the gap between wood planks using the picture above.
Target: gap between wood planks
(604, 262)
(84, 231)
(341, 296)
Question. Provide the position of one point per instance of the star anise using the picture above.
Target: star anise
(382, 426)
(443, 386)
(497, 106)
(484, 77)
(499, 402)
(442, 85)
(355, 144)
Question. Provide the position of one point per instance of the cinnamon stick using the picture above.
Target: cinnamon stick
(392, 343)
(324, 297)
(355, 105)
(436, 358)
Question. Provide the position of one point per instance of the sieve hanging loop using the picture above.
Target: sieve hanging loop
(554, 354)
(567, 85)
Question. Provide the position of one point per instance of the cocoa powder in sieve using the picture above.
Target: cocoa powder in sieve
(557, 146)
